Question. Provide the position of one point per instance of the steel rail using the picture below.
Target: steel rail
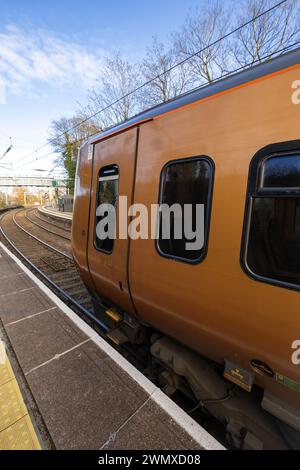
(45, 228)
(38, 216)
(62, 253)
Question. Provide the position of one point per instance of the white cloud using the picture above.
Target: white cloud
(31, 57)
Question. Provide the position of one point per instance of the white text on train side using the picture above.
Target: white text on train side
(164, 221)
(296, 93)
(296, 353)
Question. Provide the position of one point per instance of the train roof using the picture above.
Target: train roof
(234, 80)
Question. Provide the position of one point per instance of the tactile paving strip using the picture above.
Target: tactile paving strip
(16, 429)
(6, 372)
(19, 436)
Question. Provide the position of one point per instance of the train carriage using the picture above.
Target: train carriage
(227, 313)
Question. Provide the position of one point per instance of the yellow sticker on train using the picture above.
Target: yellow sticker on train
(241, 377)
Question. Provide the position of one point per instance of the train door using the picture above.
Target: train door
(113, 176)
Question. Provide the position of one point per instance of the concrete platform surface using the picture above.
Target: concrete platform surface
(88, 395)
(55, 212)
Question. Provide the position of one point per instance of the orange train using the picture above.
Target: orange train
(226, 317)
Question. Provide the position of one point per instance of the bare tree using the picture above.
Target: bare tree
(169, 83)
(76, 128)
(118, 79)
(203, 27)
(65, 136)
(268, 34)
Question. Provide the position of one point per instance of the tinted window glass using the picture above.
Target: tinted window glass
(297, 217)
(185, 183)
(274, 241)
(281, 172)
(108, 191)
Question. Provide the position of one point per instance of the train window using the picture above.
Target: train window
(273, 233)
(108, 192)
(186, 185)
(281, 172)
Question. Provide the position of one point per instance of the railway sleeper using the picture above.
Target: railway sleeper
(77, 291)
(72, 284)
(67, 277)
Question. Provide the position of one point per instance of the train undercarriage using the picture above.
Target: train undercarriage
(177, 370)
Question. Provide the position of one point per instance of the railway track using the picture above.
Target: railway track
(62, 224)
(48, 254)
(22, 219)
(48, 226)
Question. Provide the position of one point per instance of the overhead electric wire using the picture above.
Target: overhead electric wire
(178, 64)
(3, 144)
(7, 150)
(5, 135)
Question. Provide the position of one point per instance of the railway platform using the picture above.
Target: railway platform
(62, 386)
(50, 211)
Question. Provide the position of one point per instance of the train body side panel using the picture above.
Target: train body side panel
(214, 307)
(80, 221)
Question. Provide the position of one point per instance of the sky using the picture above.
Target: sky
(52, 53)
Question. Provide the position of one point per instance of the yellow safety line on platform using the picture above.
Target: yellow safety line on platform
(16, 429)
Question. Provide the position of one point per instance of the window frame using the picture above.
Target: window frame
(254, 191)
(211, 163)
(101, 250)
